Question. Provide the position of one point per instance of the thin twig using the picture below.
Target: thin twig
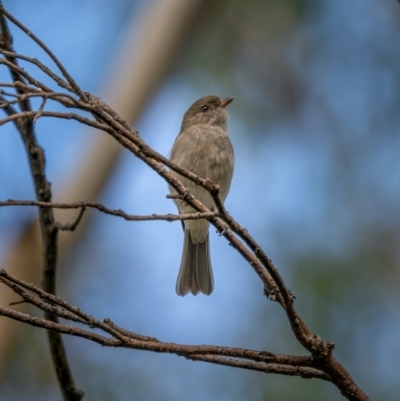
(72, 226)
(74, 87)
(62, 98)
(56, 114)
(21, 73)
(46, 307)
(106, 210)
(40, 65)
(40, 110)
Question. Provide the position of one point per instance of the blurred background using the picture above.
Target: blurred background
(316, 129)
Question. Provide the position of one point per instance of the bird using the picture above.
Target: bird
(203, 147)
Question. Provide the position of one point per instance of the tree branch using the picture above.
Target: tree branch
(112, 212)
(267, 362)
(49, 230)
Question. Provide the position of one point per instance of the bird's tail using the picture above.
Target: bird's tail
(195, 273)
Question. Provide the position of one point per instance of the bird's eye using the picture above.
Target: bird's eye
(204, 109)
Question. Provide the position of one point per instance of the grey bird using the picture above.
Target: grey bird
(202, 147)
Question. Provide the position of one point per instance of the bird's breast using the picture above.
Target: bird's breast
(207, 152)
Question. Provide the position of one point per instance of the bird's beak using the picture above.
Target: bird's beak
(226, 101)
